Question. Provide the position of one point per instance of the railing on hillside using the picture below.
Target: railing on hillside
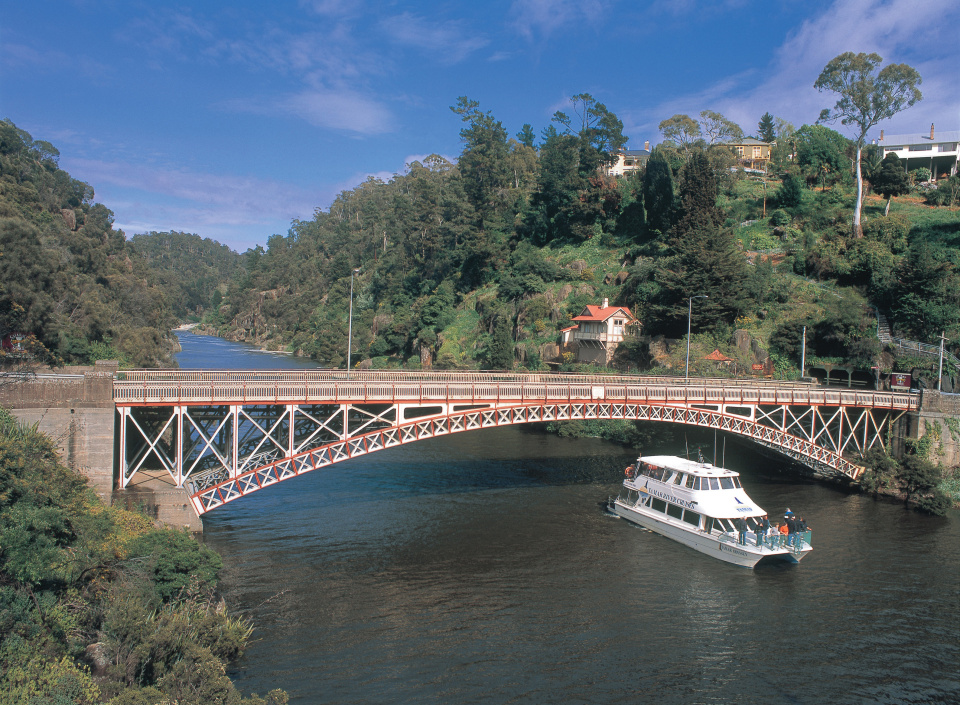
(923, 349)
(216, 388)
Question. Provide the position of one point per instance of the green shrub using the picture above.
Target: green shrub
(779, 217)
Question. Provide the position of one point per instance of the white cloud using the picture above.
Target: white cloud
(343, 109)
(148, 198)
(899, 30)
(447, 40)
(544, 17)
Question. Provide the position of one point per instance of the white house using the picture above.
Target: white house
(600, 329)
(629, 160)
(936, 152)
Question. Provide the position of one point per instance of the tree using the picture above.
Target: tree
(866, 98)
(821, 152)
(717, 128)
(658, 194)
(526, 136)
(483, 163)
(765, 128)
(698, 197)
(599, 130)
(681, 129)
(891, 179)
(790, 193)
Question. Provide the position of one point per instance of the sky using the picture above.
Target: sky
(232, 119)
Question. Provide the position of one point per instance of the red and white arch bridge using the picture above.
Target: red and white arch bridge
(222, 434)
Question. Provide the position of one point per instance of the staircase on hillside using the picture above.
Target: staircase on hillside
(886, 337)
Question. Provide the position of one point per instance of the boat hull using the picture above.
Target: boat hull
(724, 547)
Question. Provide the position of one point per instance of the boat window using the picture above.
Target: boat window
(726, 483)
(708, 524)
(678, 480)
(658, 505)
(691, 518)
(632, 496)
(696, 483)
(724, 524)
(674, 511)
(736, 482)
(690, 481)
(658, 473)
(714, 485)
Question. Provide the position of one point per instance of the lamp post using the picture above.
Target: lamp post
(686, 375)
(350, 322)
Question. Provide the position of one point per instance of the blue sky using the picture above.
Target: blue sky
(230, 119)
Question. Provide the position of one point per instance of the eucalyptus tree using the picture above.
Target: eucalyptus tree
(867, 96)
(682, 130)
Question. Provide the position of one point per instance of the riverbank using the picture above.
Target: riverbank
(98, 605)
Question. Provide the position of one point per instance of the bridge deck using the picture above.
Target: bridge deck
(178, 387)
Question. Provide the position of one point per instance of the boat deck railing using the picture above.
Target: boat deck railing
(800, 541)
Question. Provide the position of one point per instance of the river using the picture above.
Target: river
(479, 568)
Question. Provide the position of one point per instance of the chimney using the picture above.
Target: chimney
(881, 135)
(646, 145)
(931, 130)
(606, 303)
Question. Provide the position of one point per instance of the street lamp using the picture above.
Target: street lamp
(350, 322)
(686, 375)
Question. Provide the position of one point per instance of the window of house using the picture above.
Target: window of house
(739, 150)
(756, 152)
(921, 147)
(948, 147)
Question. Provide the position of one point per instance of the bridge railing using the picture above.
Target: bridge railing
(520, 389)
(423, 377)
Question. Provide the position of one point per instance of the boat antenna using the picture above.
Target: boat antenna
(724, 451)
(714, 446)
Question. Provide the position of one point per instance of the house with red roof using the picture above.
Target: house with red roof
(600, 329)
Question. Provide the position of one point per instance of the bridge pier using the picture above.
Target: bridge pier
(938, 418)
(75, 407)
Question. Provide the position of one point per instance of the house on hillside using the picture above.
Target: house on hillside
(600, 329)
(629, 160)
(751, 153)
(936, 152)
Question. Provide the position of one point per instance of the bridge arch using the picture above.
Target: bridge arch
(212, 494)
(225, 434)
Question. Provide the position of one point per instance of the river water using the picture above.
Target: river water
(479, 568)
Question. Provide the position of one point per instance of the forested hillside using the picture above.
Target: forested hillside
(482, 262)
(68, 280)
(192, 271)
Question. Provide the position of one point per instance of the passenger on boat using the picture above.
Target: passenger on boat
(791, 530)
(763, 527)
(773, 534)
(741, 525)
(783, 533)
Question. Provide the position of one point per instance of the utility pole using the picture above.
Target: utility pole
(803, 353)
(686, 374)
(943, 338)
(350, 322)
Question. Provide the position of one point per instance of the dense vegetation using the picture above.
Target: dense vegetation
(97, 605)
(68, 280)
(480, 263)
(192, 271)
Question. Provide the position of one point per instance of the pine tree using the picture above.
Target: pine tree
(658, 192)
(765, 128)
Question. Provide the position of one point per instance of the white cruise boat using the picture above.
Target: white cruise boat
(696, 503)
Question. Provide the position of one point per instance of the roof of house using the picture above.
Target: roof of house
(747, 142)
(718, 356)
(921, 137)
(635, 152)
(598, 313)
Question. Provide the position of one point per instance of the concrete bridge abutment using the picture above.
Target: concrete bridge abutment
(75, 407)
(938, 420)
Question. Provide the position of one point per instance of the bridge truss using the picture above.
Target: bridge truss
(224, 435)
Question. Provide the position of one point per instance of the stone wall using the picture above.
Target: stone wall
(75, 408)
(939, 417)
